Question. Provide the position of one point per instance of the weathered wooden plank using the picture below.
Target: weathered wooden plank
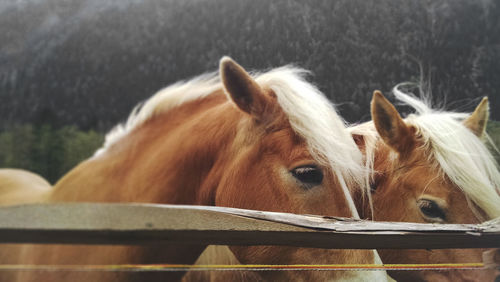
(98, 223)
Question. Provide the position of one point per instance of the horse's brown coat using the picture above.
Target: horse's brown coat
(403, 174)
(209, 151)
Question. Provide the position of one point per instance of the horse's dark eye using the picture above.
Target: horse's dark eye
(309, 175)
(373, 185)
(431, 210)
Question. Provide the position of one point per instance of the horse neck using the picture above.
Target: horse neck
(170, 158)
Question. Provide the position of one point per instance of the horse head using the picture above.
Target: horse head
(431, 167)
(280, 161)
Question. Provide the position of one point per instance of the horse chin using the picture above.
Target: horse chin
(308, 256)
(446, 276)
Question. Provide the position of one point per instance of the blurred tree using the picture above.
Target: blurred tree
(47, 151)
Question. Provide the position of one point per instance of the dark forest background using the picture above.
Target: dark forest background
(71, 69)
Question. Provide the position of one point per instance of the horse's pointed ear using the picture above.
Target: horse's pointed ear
(390, 126)
(360, 142)
(242, 88)
(479, 118)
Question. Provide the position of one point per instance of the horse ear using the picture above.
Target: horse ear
(242, 88)
(359, 140)
(390, 126)
(479, 118)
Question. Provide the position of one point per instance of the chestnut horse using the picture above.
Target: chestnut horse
(432, 167)
(266, 142)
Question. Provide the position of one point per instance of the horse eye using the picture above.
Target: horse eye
(309, 175)
(431, 210)
(373, 185)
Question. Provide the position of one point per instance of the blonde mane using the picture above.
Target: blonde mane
(310, 114)
(463, 157)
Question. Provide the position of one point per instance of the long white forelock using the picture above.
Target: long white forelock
(314, 118)
(310, 114)
(370, 139)
(463, 157)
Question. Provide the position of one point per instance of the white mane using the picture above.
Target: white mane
(310, 114)
(313, 117)
(164, 100)
(463, 157)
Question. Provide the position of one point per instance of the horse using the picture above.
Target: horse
(268, 141)
(433, 166)
(21, 186)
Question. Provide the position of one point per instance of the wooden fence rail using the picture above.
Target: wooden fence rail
(98, 223)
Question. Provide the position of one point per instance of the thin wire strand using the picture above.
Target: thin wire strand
(243, 267)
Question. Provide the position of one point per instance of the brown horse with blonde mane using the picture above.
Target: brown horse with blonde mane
(432, 167)
(269, 141)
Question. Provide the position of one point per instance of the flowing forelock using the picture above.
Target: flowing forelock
(463, 157)
(314, 118)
